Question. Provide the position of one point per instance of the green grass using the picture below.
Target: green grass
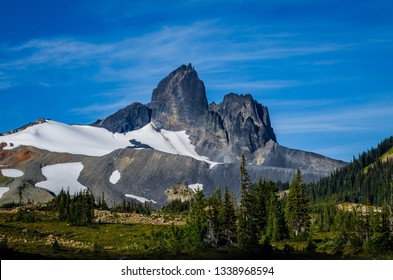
(48, 238)
(98, 241)
(4, 180)
(383, 158)
(387, 155)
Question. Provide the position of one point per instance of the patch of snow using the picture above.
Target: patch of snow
(62, 176)
(139, 198)
(196, 186)
(74, 139)
(95, 141)
(115, 177)
(171, 142)
(3, 190)
(13, 173)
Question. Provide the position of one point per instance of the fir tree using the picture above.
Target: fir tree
(214, 218)
(197, 224)
(276, 228)
(258, 210)
(297, 211)
(247, 234)
(61, 205)
(228, 226)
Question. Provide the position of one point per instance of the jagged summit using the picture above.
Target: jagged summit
(238, 125)
(179, 101)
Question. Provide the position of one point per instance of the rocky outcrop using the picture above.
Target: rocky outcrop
(180, 192)
(39, 121)
(179, 101)
(130, 118)
(237, 126)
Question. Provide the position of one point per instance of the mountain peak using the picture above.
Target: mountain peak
(179, 102)
(184, 67)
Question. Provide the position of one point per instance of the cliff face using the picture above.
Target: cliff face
(130, 118)
(179, 101)
(237, 126)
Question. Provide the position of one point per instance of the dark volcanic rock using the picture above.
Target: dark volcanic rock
(237, 126)
(179, 101)
(130, 118)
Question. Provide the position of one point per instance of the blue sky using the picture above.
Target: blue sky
(323, 68)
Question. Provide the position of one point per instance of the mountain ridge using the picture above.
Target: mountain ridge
(177, 138)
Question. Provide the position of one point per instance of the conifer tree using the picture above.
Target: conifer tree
(297, 210)
(61, 205)
(247, 234)
(197, 224)
(258, 195)
(214, 218)
(228, 219)
(276, 228)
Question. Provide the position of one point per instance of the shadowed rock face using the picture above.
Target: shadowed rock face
(179, 101)
(237, 126)
(130, 118)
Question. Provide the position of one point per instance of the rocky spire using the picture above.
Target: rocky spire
(179, 101)
(237, 126)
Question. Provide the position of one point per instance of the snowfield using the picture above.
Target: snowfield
(115, 177)
(94, 141)
(3, 190)
(196, 186)
(13, 173)
(62, 176)
(139, 198)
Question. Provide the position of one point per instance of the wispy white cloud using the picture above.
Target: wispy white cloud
(360, 118)
(258, 85)
(144, 54)
(99, 107)
(140, 61)
(285, 104)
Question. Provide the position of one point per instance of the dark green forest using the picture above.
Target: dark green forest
(367, 179)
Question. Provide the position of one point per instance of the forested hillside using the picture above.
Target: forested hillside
(367, 179)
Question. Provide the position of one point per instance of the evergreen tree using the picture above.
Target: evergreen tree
(197, 224)
(101, 203)
(81, 209)
(61, 205)
(246, 227)
(20, 204)
(258, 195)
(228, 227)
(276, 228)
(297, 211)
(214, 218)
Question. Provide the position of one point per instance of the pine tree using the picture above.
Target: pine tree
(228, 227)
(214, 218)
(276, 228)
(20, 204)
(247, 234)
(197, 222)
(297, 211)
(61, 205)
(258, 195)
